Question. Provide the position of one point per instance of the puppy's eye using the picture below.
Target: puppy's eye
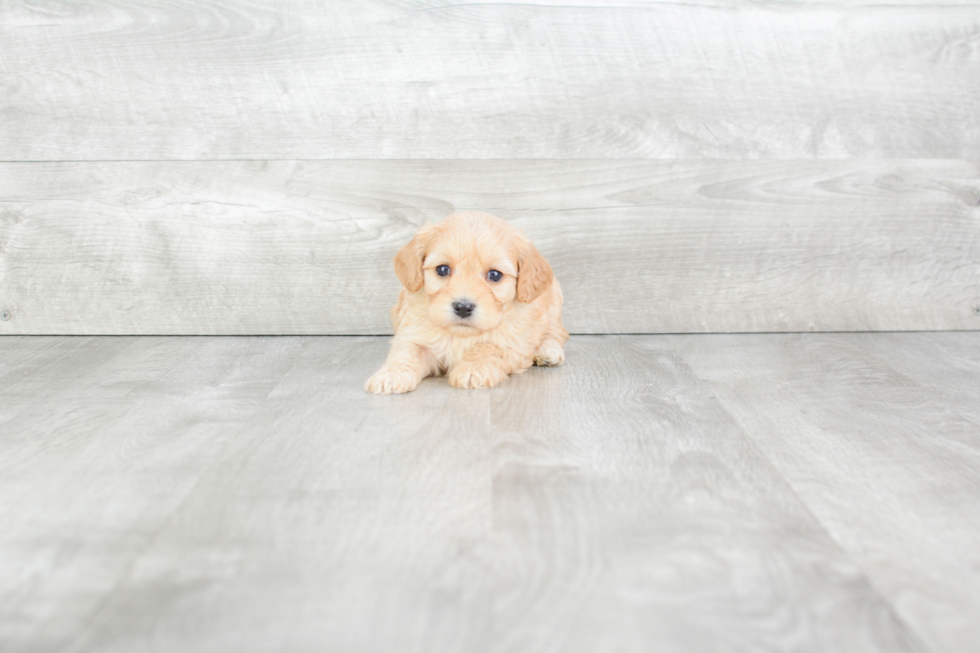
(442, 270)
(495, 275)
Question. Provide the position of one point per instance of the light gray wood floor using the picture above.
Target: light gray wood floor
(792, 492)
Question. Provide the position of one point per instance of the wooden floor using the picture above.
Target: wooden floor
(794, 492)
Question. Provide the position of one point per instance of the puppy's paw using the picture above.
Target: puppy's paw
(549, 354)
(474, 375)
(393, 380)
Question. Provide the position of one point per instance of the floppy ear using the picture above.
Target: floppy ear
(408, 261)
(534, 275)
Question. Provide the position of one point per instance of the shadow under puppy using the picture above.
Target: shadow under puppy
(479, 303)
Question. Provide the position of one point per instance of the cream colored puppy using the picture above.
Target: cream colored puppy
(479, 303)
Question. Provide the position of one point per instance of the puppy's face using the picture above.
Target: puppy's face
(472, 266)
(469, 280)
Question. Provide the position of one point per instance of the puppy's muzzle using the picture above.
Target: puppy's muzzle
(463, 308)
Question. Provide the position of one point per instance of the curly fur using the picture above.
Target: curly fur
(516, 321)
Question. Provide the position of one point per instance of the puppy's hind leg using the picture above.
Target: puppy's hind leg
(550, 353)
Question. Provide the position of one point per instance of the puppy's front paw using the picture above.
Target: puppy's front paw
(393, 380)
(475, 375)
(549, 354)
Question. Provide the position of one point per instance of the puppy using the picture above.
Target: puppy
(479, 303)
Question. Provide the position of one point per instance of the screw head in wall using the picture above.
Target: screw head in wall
(4, 315)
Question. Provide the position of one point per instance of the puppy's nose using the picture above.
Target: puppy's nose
(463, 308)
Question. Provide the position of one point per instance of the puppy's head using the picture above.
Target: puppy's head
(472, 266)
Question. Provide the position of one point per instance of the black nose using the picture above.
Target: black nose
(463, 308)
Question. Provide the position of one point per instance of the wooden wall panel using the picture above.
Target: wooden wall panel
(379, 79)
(305, 247)
(251, 167)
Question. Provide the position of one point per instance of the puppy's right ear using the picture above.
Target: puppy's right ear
(408, 261)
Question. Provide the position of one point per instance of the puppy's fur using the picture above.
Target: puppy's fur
(515, 322)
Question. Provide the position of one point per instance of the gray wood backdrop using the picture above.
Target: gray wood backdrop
(251, 167)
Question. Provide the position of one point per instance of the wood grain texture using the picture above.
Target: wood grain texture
(954, 366)
(632, 513)
(304, 247)
(93, 469)
(37, 368)
(339, 521)
(889, 466)
(202, 494)
(385, 79)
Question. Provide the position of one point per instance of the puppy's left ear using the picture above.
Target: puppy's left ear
(534, 275)
(408, 261)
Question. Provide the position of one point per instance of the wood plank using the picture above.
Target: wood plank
(947, 363)
(338, 520)
(36, 369)
(606, 505)
(385, 79)
(632, 514)
(888, 466)
(90, 473)
(303, 247)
